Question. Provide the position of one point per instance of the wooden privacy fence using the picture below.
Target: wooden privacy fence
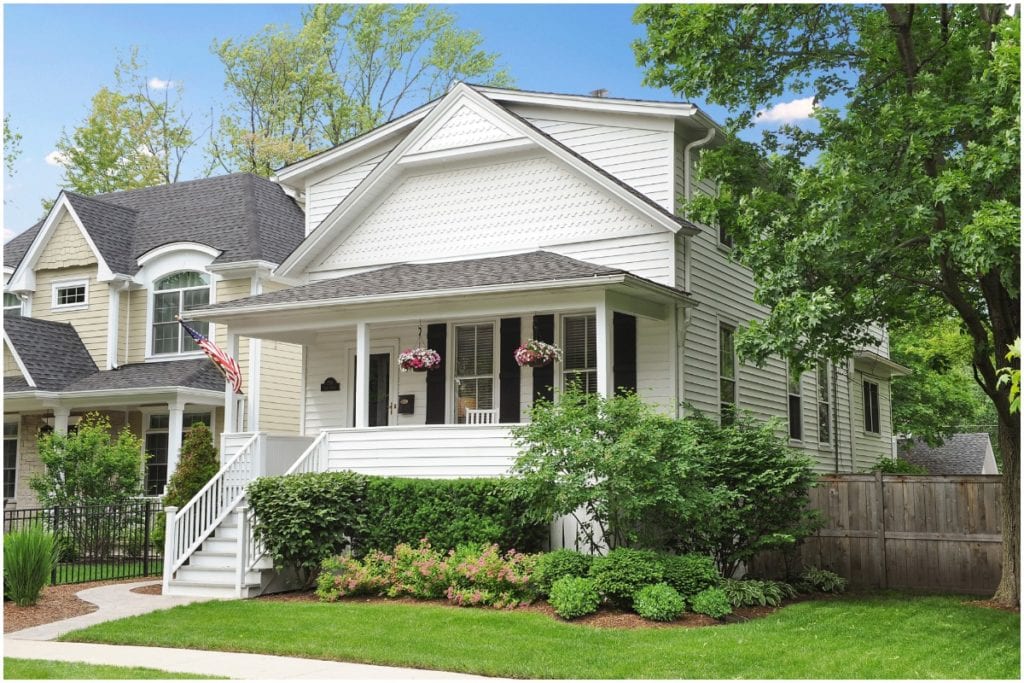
(937, 533)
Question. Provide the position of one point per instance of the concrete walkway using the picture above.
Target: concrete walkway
(116, 601)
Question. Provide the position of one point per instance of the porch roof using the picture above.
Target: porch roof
(535, 267)
(52, 353)
(197, 373)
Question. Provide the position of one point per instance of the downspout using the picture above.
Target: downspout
(687, 182)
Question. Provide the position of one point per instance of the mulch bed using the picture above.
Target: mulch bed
(992, 604)
(605, 618)
(155, 589)
(55, 603)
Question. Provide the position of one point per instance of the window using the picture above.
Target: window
(796, 421)
(12, 304)
(10, 458)
(174, 295)
(727, 372)
(724, 238)
(474, 369)
(824, 404)
(156, 444)
(871, 420)
(579, 348)
(69, 294)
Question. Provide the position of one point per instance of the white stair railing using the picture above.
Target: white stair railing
(189, 527)
(313, 459)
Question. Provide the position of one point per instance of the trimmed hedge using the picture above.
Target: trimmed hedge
(304, 519)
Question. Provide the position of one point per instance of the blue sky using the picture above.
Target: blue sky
(57, 56)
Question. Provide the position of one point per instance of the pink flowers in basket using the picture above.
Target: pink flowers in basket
(536, 354)
(419, 359)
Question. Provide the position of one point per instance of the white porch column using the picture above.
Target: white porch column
(176, 413)
(362, 380)
(60, 419)
(230, 404)
(605, 375)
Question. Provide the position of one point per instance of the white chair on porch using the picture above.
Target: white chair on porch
(480, 417)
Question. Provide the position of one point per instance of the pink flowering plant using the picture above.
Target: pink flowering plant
(536, 353)
(420, 572)
(482, 576)
(344, 576)
(419, 359)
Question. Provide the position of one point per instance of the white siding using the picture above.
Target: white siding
(514, 206)
(324, 195)
(654, 363)
(647, 255)
(464, 127)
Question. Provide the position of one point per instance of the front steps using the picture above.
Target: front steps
(212, 570)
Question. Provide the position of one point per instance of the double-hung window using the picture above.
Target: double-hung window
(727, 373)
(156, 444)
(796, 419)
(579, 349)
(872, 424)
(474, 369)
(824, 403)
(10, 458)
(176, 294)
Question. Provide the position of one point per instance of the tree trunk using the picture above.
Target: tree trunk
(1008, 592)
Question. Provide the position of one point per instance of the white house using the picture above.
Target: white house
(469, 225)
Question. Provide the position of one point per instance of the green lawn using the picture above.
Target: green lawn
(38, 669)
(877, 636)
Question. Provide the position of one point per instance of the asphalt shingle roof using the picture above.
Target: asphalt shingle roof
(52, 352)
(959, 454)
(244, 216)
(196, 373)
(537, 266)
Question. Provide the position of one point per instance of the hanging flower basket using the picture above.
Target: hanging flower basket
(537, 354)
(418, 359)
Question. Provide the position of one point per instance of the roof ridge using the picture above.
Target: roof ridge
(93, 198)
(477, 86)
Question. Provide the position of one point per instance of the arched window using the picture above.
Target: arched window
(175, 294)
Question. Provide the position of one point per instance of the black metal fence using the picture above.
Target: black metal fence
(98, 542)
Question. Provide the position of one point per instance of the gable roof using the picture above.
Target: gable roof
(52, 352)
(194, 373)
(959, 454)
(245, 217)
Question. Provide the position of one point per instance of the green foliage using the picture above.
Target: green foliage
(898, 466)
(29, 556)
(712, 602)
(196, 466)
(12, 146)
(1010, 376)
(344, 576)
(573, 598)
(303, 519)
(659, 602)
(347, 69)
(420, 572)
(483, 576)
(87, 467)
(623, 571)
(690, 574)
(754, 593)
(560, 564)
(450, 512)
(822, 580)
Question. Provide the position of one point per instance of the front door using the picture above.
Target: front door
(380, 389)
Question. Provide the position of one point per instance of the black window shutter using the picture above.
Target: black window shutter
(544, 378)
(437, 338)
(624, 349)
(508, 402)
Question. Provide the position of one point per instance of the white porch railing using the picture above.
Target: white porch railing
(313, 459)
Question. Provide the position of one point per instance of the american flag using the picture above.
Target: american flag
(225, 363)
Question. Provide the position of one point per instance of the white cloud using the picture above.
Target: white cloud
(55, 158)
(787, 112)
(160, 84)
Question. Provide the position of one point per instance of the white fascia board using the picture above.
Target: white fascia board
(24, 276)
(379, 180)
(17, 359)
(172, 247)
(242, 268)
(591, 103)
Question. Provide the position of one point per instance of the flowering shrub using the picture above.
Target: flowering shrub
(420, 572)
(481, 575)
(536, 353)
(343, 576)
(419, 359)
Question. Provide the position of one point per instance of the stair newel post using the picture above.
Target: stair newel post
(170, 542)
(243, 542)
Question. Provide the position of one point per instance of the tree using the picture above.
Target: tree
(904, 203)
(348, 69)
(88, 466)
(131, 138)
(196, 466)
(12, 145)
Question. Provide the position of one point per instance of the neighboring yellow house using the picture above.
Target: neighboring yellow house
(89, 303)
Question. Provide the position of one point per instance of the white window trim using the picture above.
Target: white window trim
(151, 357)
(16, 420)
(67, 284)
(453, 405)
(731, 324)
(560, 343)
(146, 414)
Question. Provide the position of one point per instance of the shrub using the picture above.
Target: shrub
(822, 580)
(343, 576)
(712, 602)
(483, 576)
(659, 602)
(572, 598)
(559, 564)
(196, 467)
(304, 518)
(29, 556)
(420, 572)
(450, 512)
(690, 574)
(88, 466)
(623, 571)
(752, 593)
(898, 466)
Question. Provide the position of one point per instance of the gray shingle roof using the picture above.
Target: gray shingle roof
(959, 454)
(52, 352)
(244, 216)
(196, 373)
(537, 266)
